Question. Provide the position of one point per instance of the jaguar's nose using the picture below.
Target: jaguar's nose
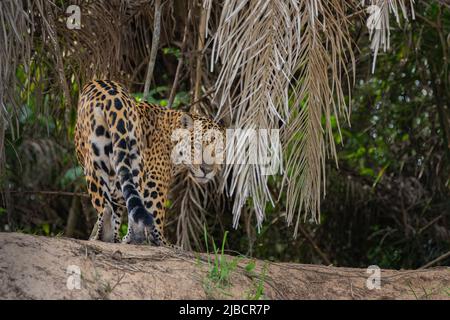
(206, 168)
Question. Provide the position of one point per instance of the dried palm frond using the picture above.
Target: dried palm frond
(258, 43)
(378, 22)
(192, 202)
(319, 95)
(283, 62)
(39, 27)
(15, 24)
(288, 62)
(190, 210)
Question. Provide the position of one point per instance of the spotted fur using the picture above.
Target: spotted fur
(125, 149)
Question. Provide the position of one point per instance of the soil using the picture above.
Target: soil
(35, 267)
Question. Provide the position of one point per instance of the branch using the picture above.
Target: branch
(154, 50)
(314, 245)
(56, 193)
(180, 62)
(200, 47)
(207, 94)
(438, 259)
(51, 29)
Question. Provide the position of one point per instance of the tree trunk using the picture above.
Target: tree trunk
(33, 267)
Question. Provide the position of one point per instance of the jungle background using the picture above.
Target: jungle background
(387, 202)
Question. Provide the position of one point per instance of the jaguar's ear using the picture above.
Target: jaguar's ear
(221, 122)
(186, 121)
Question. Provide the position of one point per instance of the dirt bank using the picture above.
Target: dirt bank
(33, 267)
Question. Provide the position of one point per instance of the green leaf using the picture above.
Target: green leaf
(250, 266)
(367, 172)
(172, 51)
(71, 175)
(46, 229)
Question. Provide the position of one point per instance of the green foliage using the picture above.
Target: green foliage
(72, 175)
(123, 230)
(258, 292)
(159, 95)
(221, 268)
(172, 51)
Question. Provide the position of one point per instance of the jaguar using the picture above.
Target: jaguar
(130, 154)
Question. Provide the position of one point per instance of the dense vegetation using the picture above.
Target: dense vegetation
(387, 202)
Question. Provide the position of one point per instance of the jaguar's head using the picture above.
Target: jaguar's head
(199, 146)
